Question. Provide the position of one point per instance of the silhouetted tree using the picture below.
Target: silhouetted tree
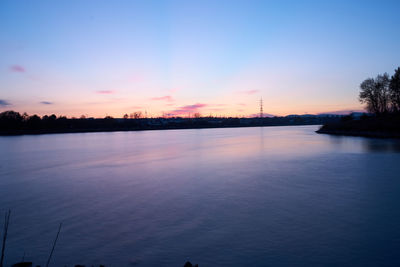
(25, 116)
(34, 122)
(375, 93)
(126, 116)
(10, 120)
(394, 88)
(49, 119)
(10, 115)
(137, 115)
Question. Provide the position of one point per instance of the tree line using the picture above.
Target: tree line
(12, 122)
(381, 94)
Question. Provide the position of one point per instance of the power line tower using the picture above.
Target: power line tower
(261, 108)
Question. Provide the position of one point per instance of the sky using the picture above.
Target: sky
(177, 58)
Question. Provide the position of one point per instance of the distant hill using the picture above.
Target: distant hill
(343, 112)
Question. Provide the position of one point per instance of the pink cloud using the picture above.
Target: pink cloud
(163, 98)
(194, 107)
(185, 110)
(105, 92)
(242, 104)
(174, 90)
(17, 68)
(249, 92)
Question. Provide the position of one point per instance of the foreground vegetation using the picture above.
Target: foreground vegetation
(382, 98)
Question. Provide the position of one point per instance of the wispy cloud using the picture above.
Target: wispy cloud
(163, 98)
(249, 92)
(46, 103)
(184, 110)
(17, 68)
(193, 107)
(241, 104)
(105, 92)
(4, 103)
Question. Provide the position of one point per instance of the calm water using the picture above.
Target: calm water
(273, 196)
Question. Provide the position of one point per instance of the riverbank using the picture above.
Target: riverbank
(12, 123)
(30, 264)
(377, 127)
(64, 131)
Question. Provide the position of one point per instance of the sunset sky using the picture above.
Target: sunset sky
(101, 58)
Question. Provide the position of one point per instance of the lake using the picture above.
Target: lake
(262, 196)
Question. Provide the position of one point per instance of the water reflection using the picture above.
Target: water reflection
(380, 145)
(366, 144)
(272, 196)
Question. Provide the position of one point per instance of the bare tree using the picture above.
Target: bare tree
(394, 88)
(375, 93)
(136, 115)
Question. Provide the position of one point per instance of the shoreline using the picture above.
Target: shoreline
(387, 126)
(367, 134)
(13, 123)
(72, 131)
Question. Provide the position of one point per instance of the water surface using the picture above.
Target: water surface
(272, 196)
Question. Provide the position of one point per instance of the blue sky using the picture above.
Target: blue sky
(177, 57)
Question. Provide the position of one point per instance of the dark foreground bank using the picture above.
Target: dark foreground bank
(24, 263)
(30, 264)
(384, 126)
(12, 123)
